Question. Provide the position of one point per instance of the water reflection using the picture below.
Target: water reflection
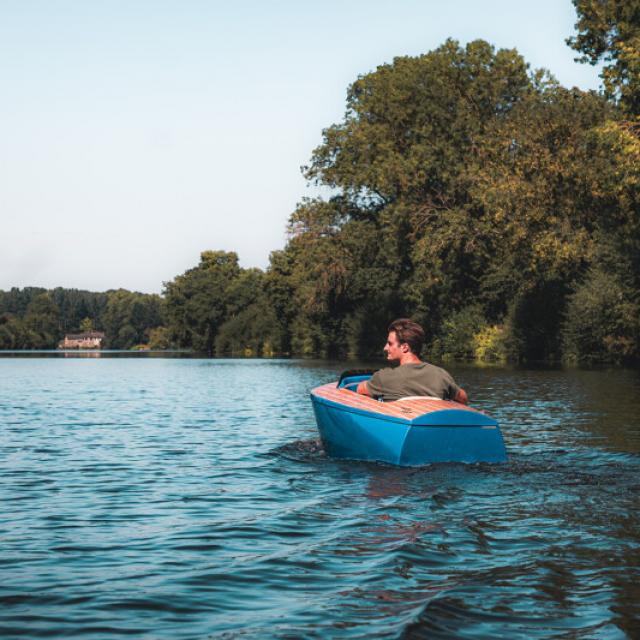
(81, 354)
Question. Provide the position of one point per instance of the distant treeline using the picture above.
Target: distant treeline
(481, 198)
(36, 318)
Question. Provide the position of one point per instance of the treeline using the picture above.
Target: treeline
(37, 318)
(471, 193)
(488, 202)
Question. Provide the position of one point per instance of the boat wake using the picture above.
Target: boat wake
(308, 450)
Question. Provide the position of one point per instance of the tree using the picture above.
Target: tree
(129, 316)
(410, 124)
(280, 291)
(42, 320)
(197, 300)
(158, 339)
(602, 321)
(13, 333)
(538, 178)
(250, 326)
(393, 240)
(75, 305)
(609, 31)
(470, 194)
(346, 270)
(17, 300)
(36, 318)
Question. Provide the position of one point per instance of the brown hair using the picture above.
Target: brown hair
(409, 332)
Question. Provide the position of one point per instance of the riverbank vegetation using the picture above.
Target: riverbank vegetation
(37, 318)
(468, 191)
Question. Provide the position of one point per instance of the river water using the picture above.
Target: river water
(183, 498)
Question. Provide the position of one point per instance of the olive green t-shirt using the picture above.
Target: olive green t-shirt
(422, 379)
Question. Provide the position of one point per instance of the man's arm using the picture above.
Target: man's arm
(363, 388)
(461, 396)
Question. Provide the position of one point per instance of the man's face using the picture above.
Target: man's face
(393, 348)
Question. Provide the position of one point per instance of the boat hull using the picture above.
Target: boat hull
(425, 432)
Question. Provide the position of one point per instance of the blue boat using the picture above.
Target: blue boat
(407, 432)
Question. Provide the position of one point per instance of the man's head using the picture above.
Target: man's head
(405, 339)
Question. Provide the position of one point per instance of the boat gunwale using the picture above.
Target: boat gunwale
(365, 412)
(406, 421)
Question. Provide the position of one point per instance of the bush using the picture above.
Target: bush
(457, 338)
(490, 344)
(601, 323)
(159, 339)
(254, 331)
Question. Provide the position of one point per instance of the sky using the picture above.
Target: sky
(135, 134)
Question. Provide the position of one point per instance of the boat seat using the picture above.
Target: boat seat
(418, 398)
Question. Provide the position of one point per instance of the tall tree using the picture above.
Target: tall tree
(410, 124)
(609, 31)
(13, 333)
(197, 300)
(250, 326)
(400, 162)
(42, 320)
(129, 316)
(537, 178)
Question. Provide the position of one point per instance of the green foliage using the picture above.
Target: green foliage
(159, 339)
(251, 332)
(469, 196)
(128, 317)
(34, 318)
(73, 305)
(534, 320)
(217, 307)
(17, 300)
(609, 30)
(484, 200)
(197, 300)
(37, 326)
(490, 344)
(13, 333)
(42, 321)
(457, 337)
(279, 287)
(409, 124)
(76, 305)
(251, 327)
(465, 335)
(602, 321)
(341, 271)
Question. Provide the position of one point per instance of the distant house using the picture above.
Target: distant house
(86, 340)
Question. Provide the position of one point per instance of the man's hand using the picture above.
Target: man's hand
(462, 397)
(363, 389)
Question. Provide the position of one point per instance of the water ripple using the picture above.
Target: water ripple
(151, 498)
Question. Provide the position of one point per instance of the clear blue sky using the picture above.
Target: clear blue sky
(136, 133)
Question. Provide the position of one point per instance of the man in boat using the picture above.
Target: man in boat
(412, 377)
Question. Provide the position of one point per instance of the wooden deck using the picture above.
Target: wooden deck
(405, 409)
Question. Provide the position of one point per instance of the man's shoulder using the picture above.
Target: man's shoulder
(402, 371)
(427, 366)
(397, 371)
(410, 370)
(386, 378)
(385, 372)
